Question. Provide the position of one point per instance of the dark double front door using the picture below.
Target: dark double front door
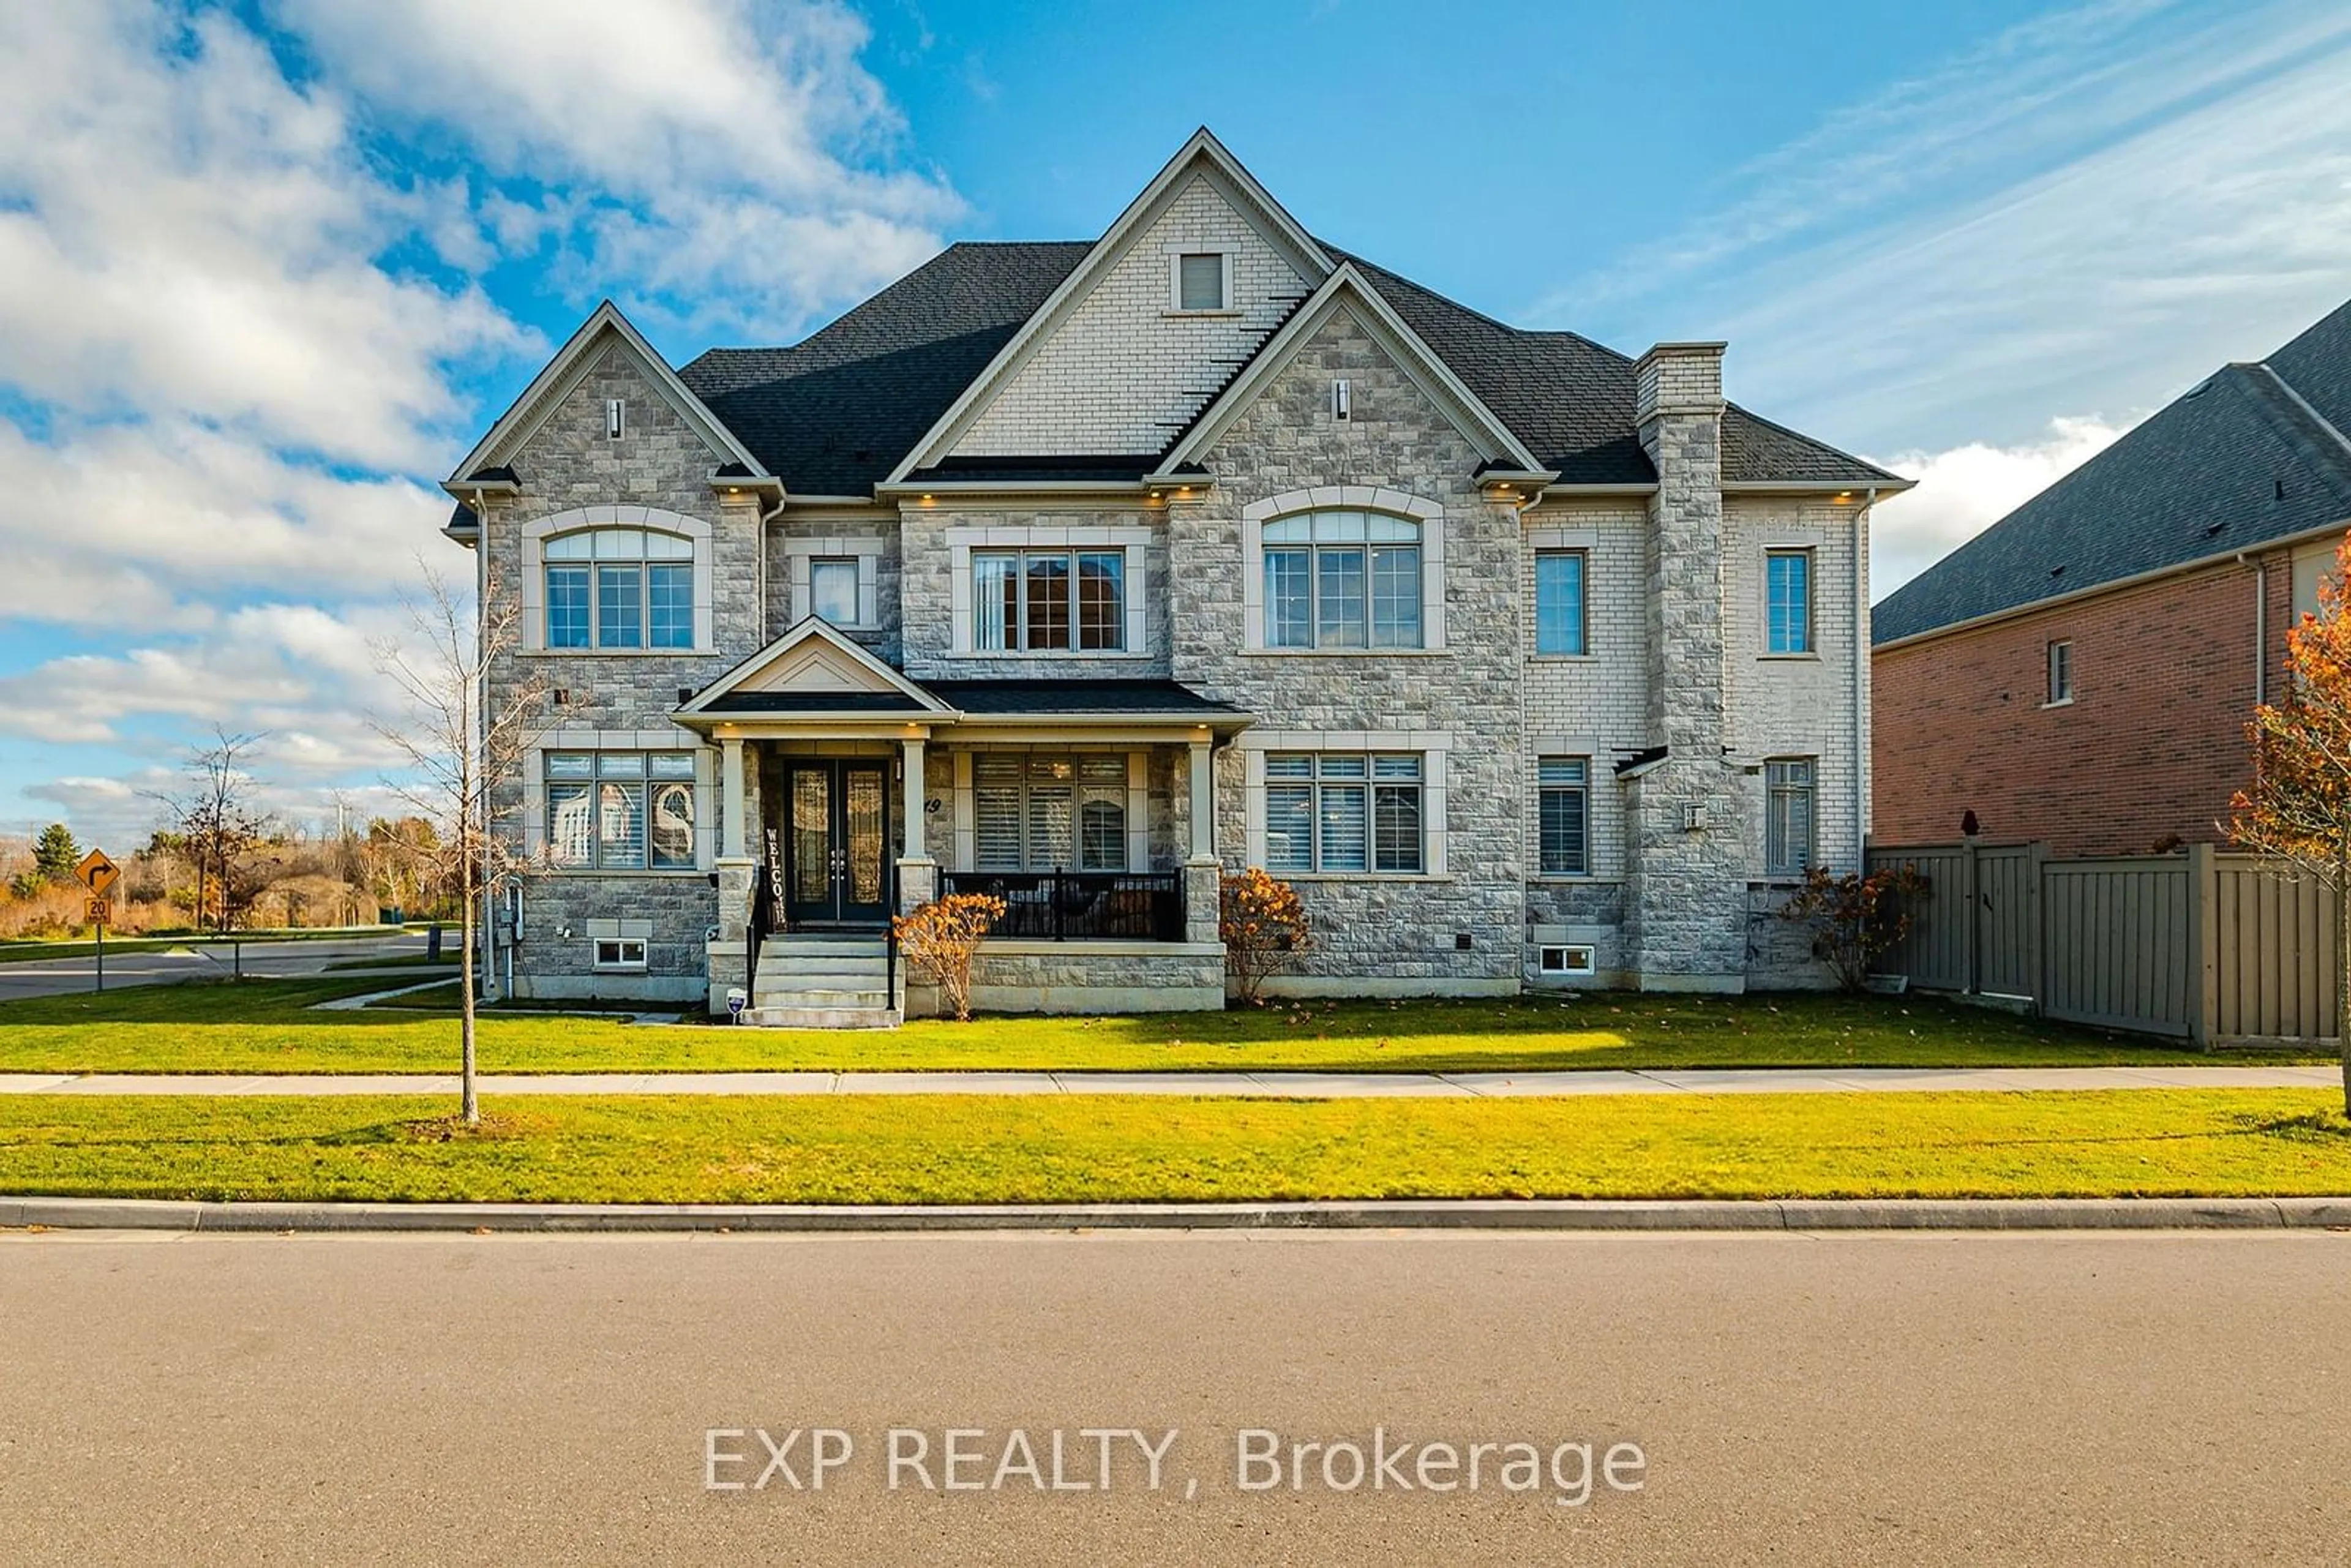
(836, 841)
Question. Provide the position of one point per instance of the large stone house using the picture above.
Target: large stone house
(2081, 672)
(1079, 572)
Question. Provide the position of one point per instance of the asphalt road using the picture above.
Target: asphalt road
(56, 977)
(1797, 1399)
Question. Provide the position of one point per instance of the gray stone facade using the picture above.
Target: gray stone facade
(1668, 705)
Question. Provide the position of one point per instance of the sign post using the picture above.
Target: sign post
(98, 875)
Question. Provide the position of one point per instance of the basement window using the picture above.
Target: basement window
(620, 953)
(1563, 960)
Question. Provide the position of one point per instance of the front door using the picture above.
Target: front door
(837, 842)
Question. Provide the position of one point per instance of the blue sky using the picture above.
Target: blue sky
(273, 266)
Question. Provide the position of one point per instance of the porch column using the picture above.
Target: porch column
(913, 802)
(918, 874)
(731, 798)
(1203, 804)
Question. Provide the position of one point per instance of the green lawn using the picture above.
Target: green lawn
(448, 960)
(216, 1026)
(1003, 1149)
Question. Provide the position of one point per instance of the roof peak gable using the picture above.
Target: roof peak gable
(1201, 154)
(511, 430)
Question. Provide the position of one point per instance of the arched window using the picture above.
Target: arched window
(1342, 579)
(619, 589)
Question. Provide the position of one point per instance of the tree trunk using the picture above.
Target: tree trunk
(469, 1100)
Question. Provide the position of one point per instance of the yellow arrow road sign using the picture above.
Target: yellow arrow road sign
(98, 873)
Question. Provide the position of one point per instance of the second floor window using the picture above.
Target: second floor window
(2060, 673)
(1788, 601)
(1342, 579)
(1049, 601)
(612, 588)
(1559, 601)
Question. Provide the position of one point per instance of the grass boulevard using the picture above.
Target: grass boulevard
(274, 1026)
(1002, 1149)
(1007, 1149)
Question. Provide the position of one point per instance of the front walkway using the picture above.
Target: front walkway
(1277, 1085)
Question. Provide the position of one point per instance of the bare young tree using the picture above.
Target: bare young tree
(462, 740)
(214, 815)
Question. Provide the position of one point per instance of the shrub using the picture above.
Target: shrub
(1263, 923)
(1854, 917)
(941, 938)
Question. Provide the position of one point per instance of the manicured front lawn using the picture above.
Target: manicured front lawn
(255, 1026)
(1003, 1149)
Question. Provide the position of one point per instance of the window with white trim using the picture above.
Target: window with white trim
(1789, 816)
(2061, 671)
(614, 588)
(832, 590)
(1564, 806)
(1344, 811)
(620, 953)
(1049, 814)
(620, 810)
(1342, 579)
(1049, 601)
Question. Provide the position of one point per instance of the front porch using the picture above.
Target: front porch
(849, 792)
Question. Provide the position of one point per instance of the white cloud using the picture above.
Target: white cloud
(1966, 489)
(186, 234)
(2093, 210)
(739, 154)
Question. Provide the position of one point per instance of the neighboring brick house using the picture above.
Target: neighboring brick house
(2080, 672)
(1079, 572)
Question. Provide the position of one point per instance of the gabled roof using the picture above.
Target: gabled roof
(1345, 287)
(865, 396)
(1203, 154)
(832, 677)
(2253, 453)
(490, 458)
(834, 414)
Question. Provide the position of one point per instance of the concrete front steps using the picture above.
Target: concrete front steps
(822, 979)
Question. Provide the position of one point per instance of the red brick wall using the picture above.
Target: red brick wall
(2153, 743)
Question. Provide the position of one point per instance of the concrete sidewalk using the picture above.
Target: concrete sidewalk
(1261, 1085)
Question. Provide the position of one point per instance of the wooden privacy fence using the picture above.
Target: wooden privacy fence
(2217, 949)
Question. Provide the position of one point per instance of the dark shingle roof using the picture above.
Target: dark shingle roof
(834, 414)
(1569, 399)
(1115, 467)
(2236, 462)
(1061, 697)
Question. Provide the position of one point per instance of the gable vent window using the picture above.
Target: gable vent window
(1200, 281)
(616, 418)
(1343, 400)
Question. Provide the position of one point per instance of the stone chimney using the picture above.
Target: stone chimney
(1687, 875)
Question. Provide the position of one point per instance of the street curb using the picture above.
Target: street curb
(1561, 1215)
